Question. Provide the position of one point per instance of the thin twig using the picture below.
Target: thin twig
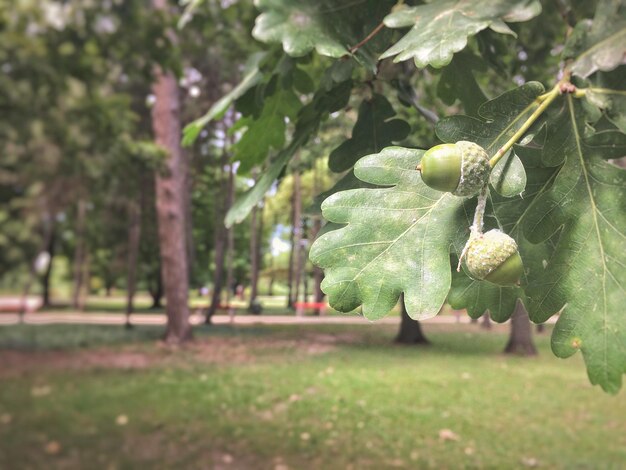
(367, 38)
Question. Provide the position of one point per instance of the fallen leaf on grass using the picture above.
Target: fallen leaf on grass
(40, 391)
(52, 448)
(121, 420)
(530, 462)
(448, 435)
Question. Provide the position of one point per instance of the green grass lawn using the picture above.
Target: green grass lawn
(318, 397)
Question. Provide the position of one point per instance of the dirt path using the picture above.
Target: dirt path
(46, 318)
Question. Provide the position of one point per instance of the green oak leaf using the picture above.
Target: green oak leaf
(348, 181)
(329, 27)
(585, 278)
(298, 25)
(609, 94)
(329, 98)
(267, 130)
(374, 130)
(601, 44)
(496, 123)
(397, 239)
(479, 297)
(252, 77)
(439, 29)
(457, 81)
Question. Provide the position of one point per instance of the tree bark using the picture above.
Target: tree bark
(520, 339)
(221, 234)
(45, 280)
(318, 273)
(230, 240)
(48, 234)
(486, 322)
(157, 292)
(254, 255)
(297, 236)
(292, 237)
(410, 330)
(134, 237)
(79, 253)
(170, 188)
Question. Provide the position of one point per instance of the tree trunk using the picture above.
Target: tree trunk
(220, 236)
(305, 283)
(541, 327)
(297, 236)
(486, 323)
(318, 273)
(230, 240)
(410, 330)
(254, 255)
(191, 249)
(292, 237)
(157, 292)
(520, 338)
(48, 234)
(45, 280)
(170, 188)
(134, 237)
(79, 253)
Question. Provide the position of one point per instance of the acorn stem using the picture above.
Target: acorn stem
(476, 229)
(546, 100)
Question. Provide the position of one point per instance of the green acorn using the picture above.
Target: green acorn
(461, 169)
(493, 257)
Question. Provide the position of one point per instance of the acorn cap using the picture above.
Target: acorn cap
(493, 257)
(475, 168)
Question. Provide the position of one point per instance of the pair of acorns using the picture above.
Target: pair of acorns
(463, 169)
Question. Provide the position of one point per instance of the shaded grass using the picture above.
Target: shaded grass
(365, 403)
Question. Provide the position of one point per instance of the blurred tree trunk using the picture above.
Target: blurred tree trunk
(541, 327)
(256, 255)
(296, 268)
(134, 238)
(48, 234)
(219, 240)
(486, 322)
(410, 330)
(318, 273)
(222, 235)
(191, 249)
(45, 280)
(170, 206)
(156, 292)
(270, 288)
(230, 238)
(520, 338)
(80, 253)
(292, 250)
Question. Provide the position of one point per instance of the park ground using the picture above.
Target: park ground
(297, 397)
